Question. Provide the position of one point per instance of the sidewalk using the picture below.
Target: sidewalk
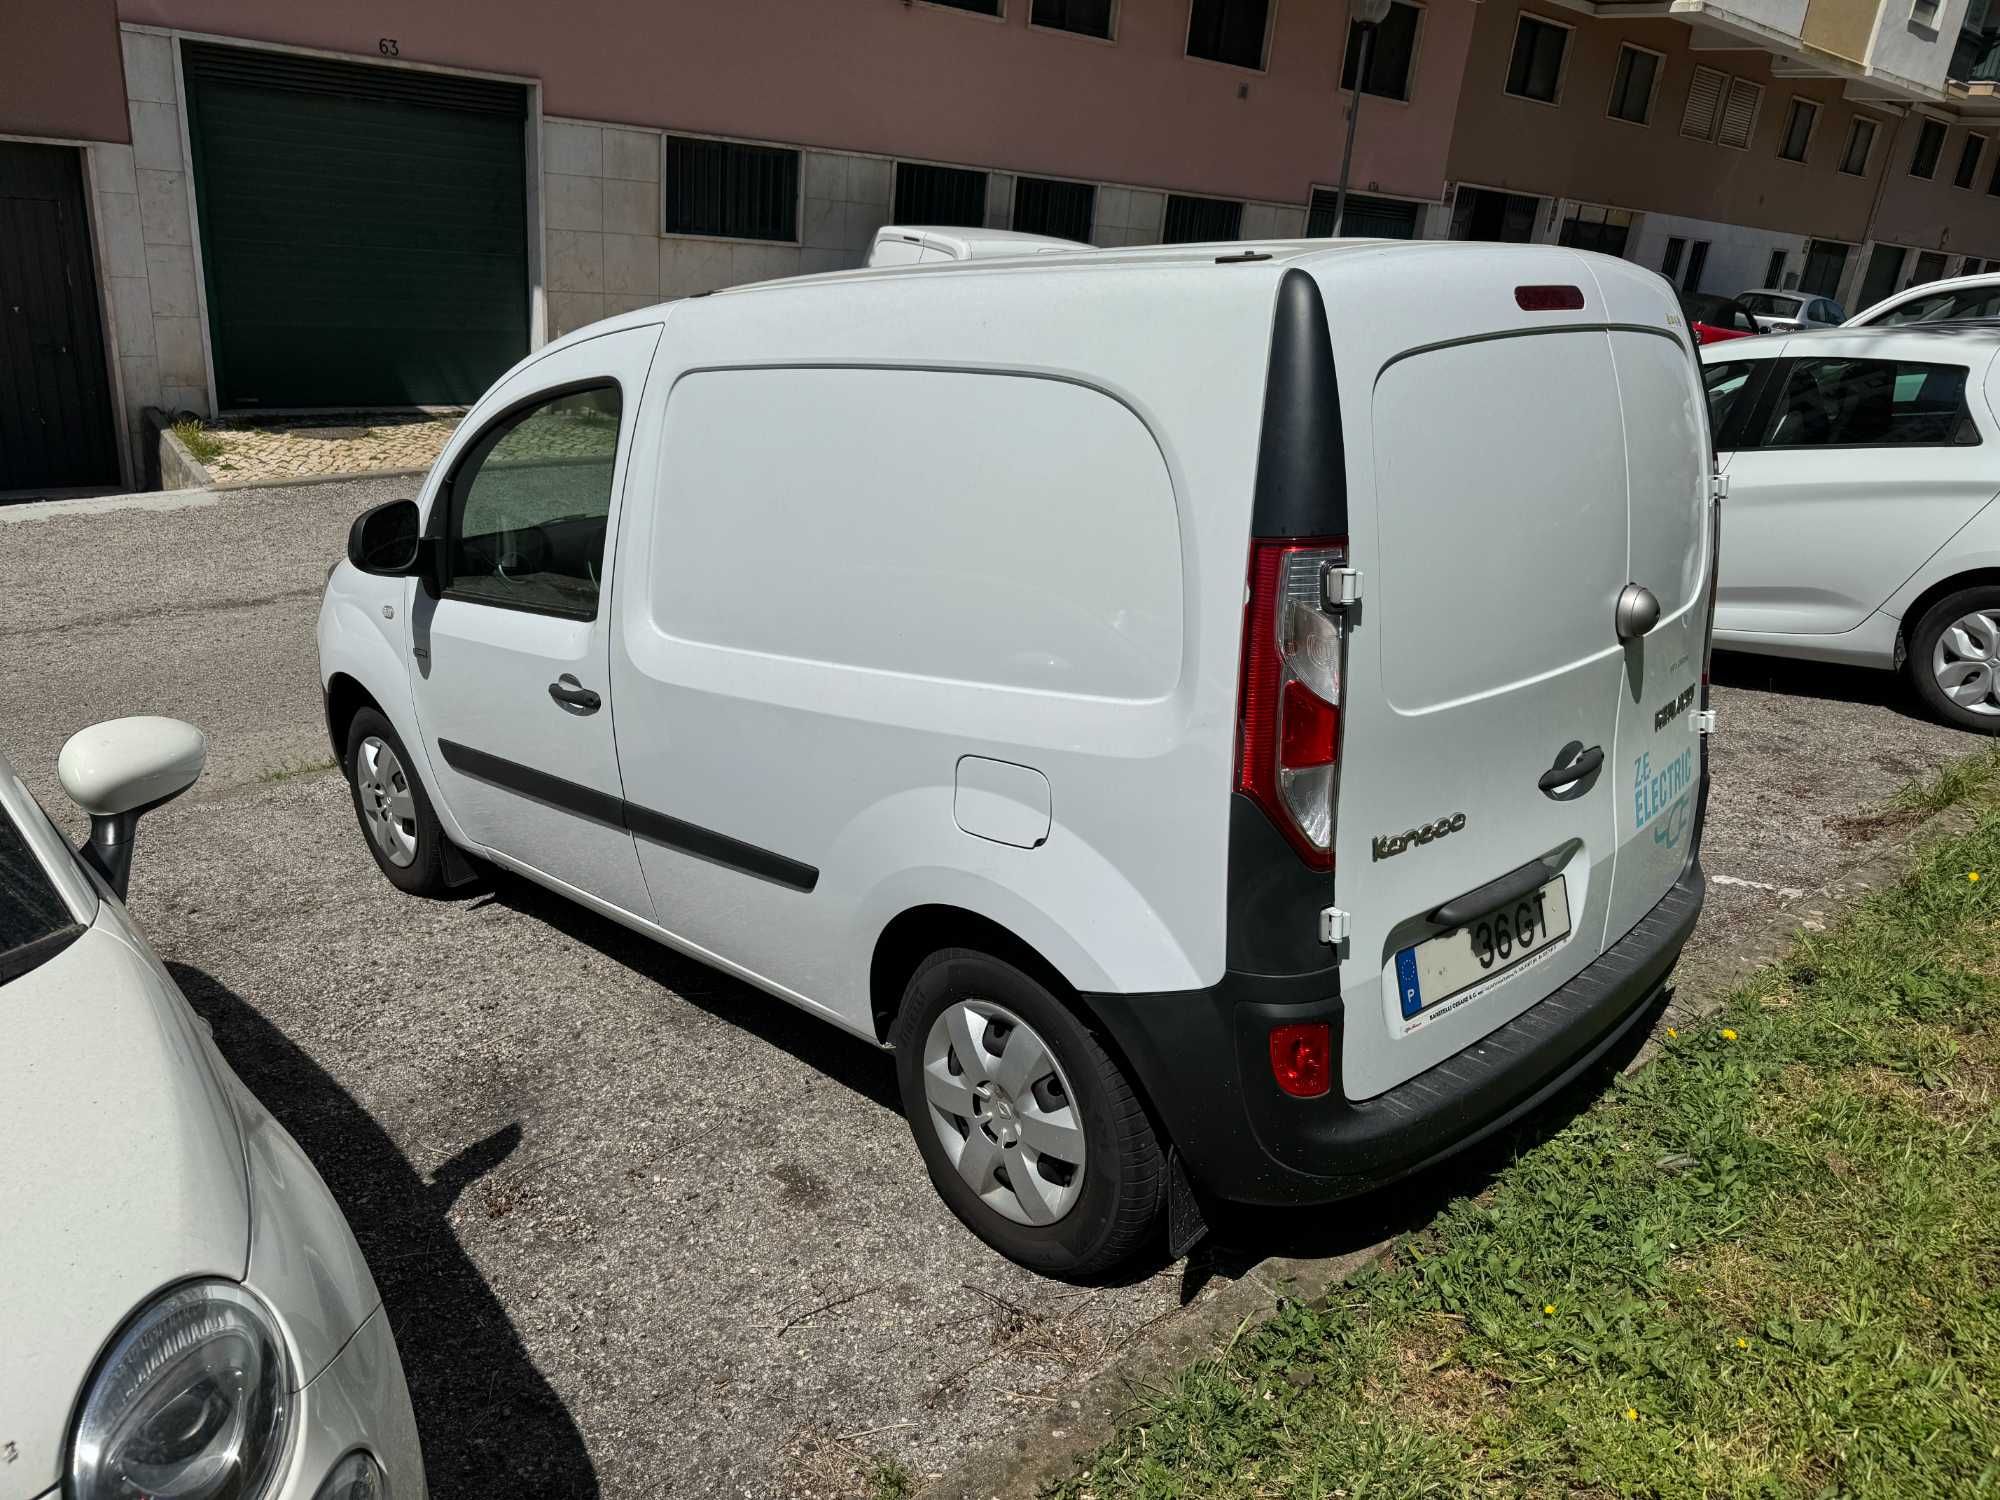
(260, 450)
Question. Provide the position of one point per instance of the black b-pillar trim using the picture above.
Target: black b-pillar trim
(615, 812)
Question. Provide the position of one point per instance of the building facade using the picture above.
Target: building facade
(241, 207)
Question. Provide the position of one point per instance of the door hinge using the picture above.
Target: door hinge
(1339, 587)
(1718, 486)
(1704, 721)
(1335, 926)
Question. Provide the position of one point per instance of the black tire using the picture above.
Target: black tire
(424, 875)
(1116, 1209)
(1922, 641)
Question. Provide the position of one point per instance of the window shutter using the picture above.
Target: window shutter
(1740, 113)
(1704, 95)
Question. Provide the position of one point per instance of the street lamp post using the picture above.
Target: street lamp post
(1367, 15)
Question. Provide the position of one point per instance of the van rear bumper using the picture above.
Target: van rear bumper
(1202, 1059)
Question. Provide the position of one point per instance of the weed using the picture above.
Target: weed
(891, 1479)
(303, 768)
(198, 440)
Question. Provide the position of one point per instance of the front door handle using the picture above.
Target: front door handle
(573, 697)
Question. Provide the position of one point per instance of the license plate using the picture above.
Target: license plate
(1435, 975)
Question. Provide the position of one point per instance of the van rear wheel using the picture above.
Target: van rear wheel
(1030, 1131)
(1953, 659)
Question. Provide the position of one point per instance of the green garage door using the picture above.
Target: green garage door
(363, 230)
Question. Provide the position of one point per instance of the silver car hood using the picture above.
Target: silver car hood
(121, 1172)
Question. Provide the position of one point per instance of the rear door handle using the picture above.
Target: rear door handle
(573, 697)
(1558, 777)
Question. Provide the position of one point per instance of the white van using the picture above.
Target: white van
(1227, 719)
(923, 244)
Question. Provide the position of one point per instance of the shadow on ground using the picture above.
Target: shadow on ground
(490, 1424)
(1240, 1236)
(848, 1060)
(1816, 679)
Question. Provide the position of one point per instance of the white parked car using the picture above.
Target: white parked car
(1224, 763)
(1955, 299)
(1859, 527)
(914, 244)
(183, 1310)
(1781, 312)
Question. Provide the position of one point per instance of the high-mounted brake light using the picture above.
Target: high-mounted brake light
(1288, 732)
(1548, 298)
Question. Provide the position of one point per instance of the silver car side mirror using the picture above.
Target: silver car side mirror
(121, 769)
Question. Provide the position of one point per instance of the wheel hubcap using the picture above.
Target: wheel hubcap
(1966, 661)
(388, 809)
(1004, 1112)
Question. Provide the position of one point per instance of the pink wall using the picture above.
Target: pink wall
(60, 70)
(917, 80)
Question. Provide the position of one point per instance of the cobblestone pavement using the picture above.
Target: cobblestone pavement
(256, 450)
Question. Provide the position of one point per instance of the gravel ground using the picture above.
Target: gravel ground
(642, 1229)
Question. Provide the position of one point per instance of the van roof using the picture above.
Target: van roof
(1239, 256)
(966, 242)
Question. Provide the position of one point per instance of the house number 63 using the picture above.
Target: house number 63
(388, 47)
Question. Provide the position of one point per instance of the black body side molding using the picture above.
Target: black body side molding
(616, 812)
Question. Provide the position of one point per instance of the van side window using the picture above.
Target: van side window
(529, 505)
(1871, 403)
(1726, 384)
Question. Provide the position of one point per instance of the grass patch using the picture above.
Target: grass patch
(1768, 1264)
(303, 768)
(891, 1479)
(198, 440)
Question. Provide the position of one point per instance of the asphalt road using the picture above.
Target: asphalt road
(644, 1231)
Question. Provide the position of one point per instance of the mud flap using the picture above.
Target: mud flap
(1186, 1227)
(459, 869)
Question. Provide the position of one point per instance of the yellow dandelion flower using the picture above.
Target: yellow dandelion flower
(1631, 1415)
(1972, 875)
(1728, 1035)
(1549, 1308)
(1743, 1343)
(1671, 1032)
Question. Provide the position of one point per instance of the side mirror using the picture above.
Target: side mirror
(120, 769)
(384, 540)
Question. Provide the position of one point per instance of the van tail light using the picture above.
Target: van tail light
(1302, 1058)
(1288, 731)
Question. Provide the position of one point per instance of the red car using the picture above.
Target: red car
(1715, 319)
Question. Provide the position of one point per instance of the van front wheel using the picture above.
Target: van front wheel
(393, 808)
(1029, 1129)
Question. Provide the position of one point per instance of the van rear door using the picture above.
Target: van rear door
(1657, 767)
(1484, 709)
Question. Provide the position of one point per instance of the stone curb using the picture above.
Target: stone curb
(1049, 1447)
(297, 481)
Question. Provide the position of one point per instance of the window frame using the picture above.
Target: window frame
(1756, 112)
(898, 163)
(1854, 123)
(1924, 124)
(448, 505)
(1014, 202)
(1263, 52)
(798, 195)
(1167, 211)
(1792, 107)
(1778, 378)
(999, 9)
(1978, 161)
(1652, 92)
(1111, 25)
(1410, 74)
(1521, 18)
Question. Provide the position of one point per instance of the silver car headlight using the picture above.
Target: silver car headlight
(192, 1403)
